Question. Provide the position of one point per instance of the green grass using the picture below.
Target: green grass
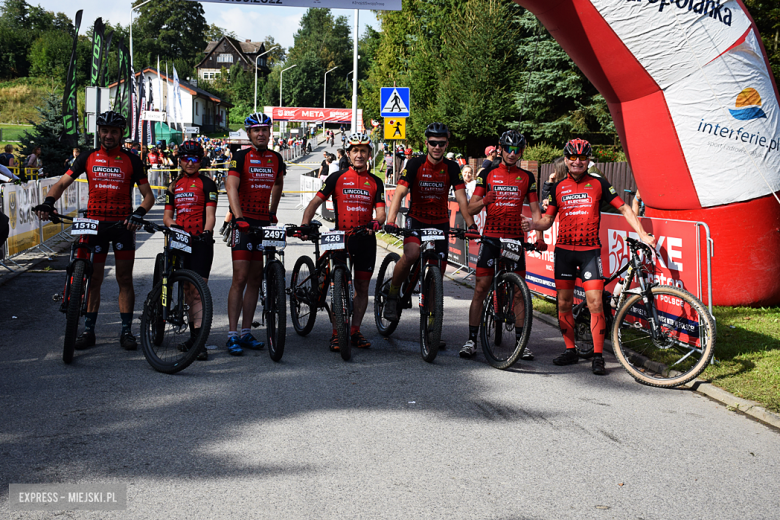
(747, 351)
(13, 132)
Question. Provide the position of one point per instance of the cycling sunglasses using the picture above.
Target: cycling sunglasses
(513, 149)
(575, 157)
(437, 144)
(190, 159)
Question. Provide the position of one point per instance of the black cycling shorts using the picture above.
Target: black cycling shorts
(442, 246)
(362, 252)
(121, 239)
(490, 253)
(589, 263)
(247, 246)
(201, 257)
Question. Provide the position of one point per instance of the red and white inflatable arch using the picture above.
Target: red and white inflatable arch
(691, 93)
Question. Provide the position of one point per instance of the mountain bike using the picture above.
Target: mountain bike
(662, 335)
(309, 284)
(75, 293)
(506, 306)
(272, 293)
(170, 307)
(424, 279)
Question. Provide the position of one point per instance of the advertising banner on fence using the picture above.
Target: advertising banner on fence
(18, 202)
(680, 253)
(49, 229)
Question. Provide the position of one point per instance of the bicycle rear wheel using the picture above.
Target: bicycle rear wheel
(684, 348)
(303, 296)
(276, 310)
(341, 312)
(431, 313)
(73, 311)
(500, 344)
(383, 279)
(171, 354)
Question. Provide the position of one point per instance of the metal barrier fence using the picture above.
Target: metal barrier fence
(26, 231)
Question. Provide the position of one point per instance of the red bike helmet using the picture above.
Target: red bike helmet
(577, 147)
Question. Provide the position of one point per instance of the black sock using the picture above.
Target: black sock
(597, 354)
(518, 333)
(473, 332)
(127, 321)
(89, 321)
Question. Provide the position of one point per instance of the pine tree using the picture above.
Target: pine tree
(46, 134)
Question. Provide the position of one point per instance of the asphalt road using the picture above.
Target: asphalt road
(383, 436)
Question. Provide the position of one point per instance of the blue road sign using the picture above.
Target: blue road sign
(394, 101)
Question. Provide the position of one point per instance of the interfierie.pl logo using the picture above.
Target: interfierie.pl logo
(748, 107)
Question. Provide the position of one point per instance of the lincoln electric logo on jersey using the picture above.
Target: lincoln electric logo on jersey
(358, 192)
(505, 188)
(577, 198)
(433, 185)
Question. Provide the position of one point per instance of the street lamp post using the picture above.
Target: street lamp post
(131, 29)
(325, 87)
(256, 57)
(280, 82)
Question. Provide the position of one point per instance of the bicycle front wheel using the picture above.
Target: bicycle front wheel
(383, 279)
(74, 303)
(431, 313)
(188, 301)
(276, 310)
(159, 326)
(502, 315)
(341, 312)
(303, 296)
(684, 344)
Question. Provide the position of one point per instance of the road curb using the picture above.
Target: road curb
(752, 409)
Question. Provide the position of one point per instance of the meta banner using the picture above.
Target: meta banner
(375, 5)
(329, 115)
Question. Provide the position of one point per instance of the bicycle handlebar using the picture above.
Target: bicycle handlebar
(528, 246)
(455, 232)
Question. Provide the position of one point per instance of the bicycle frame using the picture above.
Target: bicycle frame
(413, 282)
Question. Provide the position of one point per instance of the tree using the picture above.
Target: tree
(214, 33)
(277, 55)
(46, 134)
(173, 30)
(50, 54)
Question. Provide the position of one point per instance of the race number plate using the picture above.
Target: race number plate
(431, 234)
(332, 241)
(84, 226)
(511, 249)
(181, 240)
(274, 236)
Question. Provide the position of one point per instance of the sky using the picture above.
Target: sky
(248, 22)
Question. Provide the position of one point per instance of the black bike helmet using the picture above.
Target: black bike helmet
(512, 138)
(191, 149)
(577, 147)
(111, 118)
(437, 130)
(257, 119)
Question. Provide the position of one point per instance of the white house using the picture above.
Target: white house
(199, 108)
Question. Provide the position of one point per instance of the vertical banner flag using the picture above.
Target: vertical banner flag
(141, 108)
(97, 52)
(177, 99)
(103, 80)
(160, 106)
(69, 104)
(168, 98)
(133, 106)
(122, 81)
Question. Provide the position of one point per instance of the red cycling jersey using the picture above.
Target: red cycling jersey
(189, 197)
(512, 185)
(580, 205)
(429, 185)
(257, 171)
(355, 195)
(111, 177)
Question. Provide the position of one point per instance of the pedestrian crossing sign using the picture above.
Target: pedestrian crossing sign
(395, 128)
(394, 102)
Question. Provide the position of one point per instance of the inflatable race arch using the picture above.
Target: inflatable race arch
(696, 107)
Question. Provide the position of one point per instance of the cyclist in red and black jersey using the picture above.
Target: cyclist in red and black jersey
(501, 190)
(356, 194)
(254, 185)
(192, 198)
(428, 179)
(579, 198)
(111, 172)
